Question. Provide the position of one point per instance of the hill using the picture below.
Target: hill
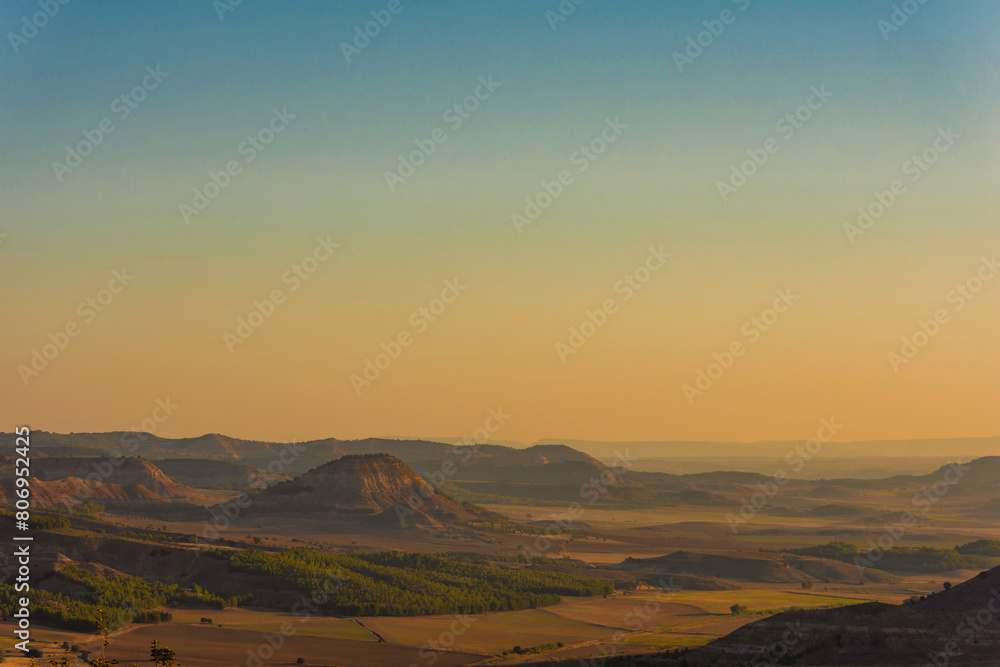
(217, 474)
(377, 486)
(983, 471)
(70, 481)
(771, 568)
(957, 627)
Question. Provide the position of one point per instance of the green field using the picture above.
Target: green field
(270, 621)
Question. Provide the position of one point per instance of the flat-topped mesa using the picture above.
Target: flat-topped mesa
(362, 481)
(378, 486)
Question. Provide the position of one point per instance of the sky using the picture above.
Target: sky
(604, 221)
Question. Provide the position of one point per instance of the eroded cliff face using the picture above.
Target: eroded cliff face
(70, 481)
(121, 471)
(377, 489)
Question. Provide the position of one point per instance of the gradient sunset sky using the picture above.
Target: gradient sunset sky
(893, 94)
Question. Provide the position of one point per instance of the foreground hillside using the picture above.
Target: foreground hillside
(959, 626)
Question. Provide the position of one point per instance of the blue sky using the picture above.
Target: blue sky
(325, 174)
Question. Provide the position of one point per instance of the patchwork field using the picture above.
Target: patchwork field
(217, 647)
(487, 633)
(755, 600)
(262, 620)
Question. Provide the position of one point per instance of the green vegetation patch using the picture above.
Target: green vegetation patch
(123, 599)
(971, 556)
(409, 584)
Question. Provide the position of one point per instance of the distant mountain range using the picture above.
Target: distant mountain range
(484, 474)
(295, 458)
(965, 448)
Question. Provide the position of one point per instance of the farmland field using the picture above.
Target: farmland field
(217, 647)
(487, 633)
(756, 600)
(270, 621)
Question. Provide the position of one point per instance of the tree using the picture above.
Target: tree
(738, 609)
(947, 585)
(102, 628)
(161, 657)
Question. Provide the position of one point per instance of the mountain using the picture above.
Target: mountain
(209, 446)
(374, 489)
(216, 474)
(295, 458)
(964, 448)
(984, 471)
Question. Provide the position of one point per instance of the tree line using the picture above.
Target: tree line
(409, 584)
